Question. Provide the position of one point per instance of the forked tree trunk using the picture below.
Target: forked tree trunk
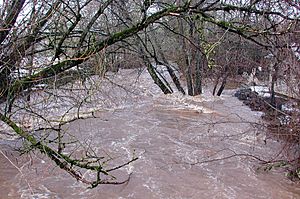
(223, 84)
(170, 70)
(194, 59)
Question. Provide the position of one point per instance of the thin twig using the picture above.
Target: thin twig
(19, 170)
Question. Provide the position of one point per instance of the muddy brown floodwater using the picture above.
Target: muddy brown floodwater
(182, 144)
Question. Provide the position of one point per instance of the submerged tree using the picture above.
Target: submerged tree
(52, 43)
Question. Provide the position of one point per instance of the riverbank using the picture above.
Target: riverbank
(282, 122)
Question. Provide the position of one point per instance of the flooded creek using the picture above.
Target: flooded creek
(188, 147)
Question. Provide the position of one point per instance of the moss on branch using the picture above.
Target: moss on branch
(81, 57)
(65, 162)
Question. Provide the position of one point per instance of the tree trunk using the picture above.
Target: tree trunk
(187, 58)
(199, 68)
(171, 72)
(157, 80)
(216, 85)
(273, 81)
(223, 84)
(175, 79)
(222, 87)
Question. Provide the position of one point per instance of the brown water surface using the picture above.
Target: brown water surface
(183, 145)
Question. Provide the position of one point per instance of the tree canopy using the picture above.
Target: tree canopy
(42, 41)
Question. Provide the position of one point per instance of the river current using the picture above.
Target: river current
(188, 147)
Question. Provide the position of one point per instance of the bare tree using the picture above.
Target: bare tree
(50, 43)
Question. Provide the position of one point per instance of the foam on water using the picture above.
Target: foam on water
(177, 139)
